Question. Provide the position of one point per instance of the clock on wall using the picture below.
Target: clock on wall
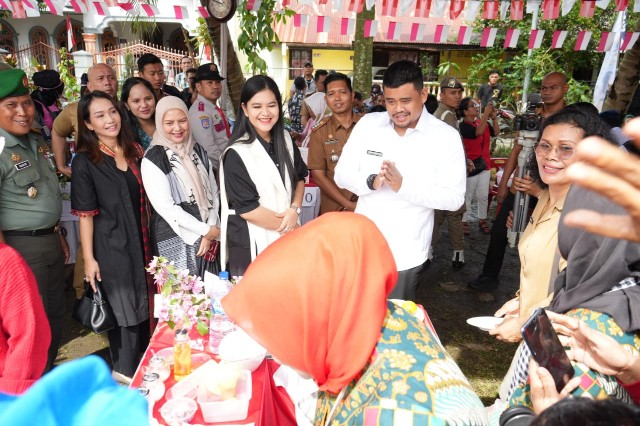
(222, 10)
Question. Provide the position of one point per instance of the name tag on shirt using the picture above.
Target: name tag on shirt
(22, 165)
(376, 153)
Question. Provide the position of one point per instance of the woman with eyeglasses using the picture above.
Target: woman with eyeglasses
(553, 153)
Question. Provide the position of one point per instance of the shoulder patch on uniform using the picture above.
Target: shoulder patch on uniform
(320, 123)
(205, 121)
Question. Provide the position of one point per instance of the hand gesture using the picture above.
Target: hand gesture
(289, 221)
(509, 309)
(543, 389)
(205, 244)
(391, 175)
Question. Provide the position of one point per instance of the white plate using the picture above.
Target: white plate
(485, 323)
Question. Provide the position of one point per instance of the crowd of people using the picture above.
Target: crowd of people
(160, 170)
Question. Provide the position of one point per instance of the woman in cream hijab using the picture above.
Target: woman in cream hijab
(182, 190)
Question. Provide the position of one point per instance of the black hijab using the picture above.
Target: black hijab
(595, 264)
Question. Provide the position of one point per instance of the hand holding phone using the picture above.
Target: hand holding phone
(546, 349)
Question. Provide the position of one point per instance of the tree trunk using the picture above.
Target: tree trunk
(626, 82)
(187, 43)
(235, 78)
(363, 54)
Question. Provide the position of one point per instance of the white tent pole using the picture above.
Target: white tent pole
(527, 73)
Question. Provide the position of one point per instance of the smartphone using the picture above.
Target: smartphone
(546, 349)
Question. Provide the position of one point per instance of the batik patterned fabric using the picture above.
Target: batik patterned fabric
(409, 380)
(593, 383)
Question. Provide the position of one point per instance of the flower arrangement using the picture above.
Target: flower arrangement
(183, 298)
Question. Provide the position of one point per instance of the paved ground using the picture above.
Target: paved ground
(444, 294)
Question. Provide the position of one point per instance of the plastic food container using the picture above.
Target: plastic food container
(240, 351)
(218, 410)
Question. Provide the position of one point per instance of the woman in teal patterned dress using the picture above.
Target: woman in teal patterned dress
(326, 315)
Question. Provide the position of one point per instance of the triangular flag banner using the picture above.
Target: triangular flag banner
(567, 5)
(511, 39)
(101, 8)
(356, 5)
(504, 8)
(472, 10)
(300, 20)
(394, 30)
(369, 4)
(490, 9)
(621, 5)
(4, 5)
(422, 8)
(442, 34)
(558, 39)
(204, 13)
(533, 6)
(582, 41)
(404, 6)
(389, 7)
(517, 10)
(71, 41)
(370, 28)
(253, 4)
(347, 26)
(587, 8)
(150, 10)
(456, 8)
(417, 31)
(323, 24)
(55, 6)
(127, 7)
(629, 40)
(336, 5)
(550, 9)
(536, 39)
(17, 10)
(437, 10)
(464, 35)
(602, 4)
(488, 37)
(606, 41)
(180, 12)
(79, 6)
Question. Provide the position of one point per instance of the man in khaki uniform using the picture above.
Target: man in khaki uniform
(30, 201)
(328, 138)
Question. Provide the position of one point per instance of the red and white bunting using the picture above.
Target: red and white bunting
(55, 6)
(356, 5)
(559, 36)
(150, 10)
(111, 3)
(636, 6)
(323, 24)
(101, 8)
(456, 8)
(550, 9)
(535, 40)
(300, 21)
(127, 7)
(442, 34)
(517, 10)
(602, 4)
(180, 12)
(25, 9)
(582, 41)
(606, 41)
(490, 9)
(347, 26)
(437, 9)
(404, 6)
(423, 7)
(504, 8)
(389, 7)
(511, 39)
(417, 31)
(532, 6)
(587, 8)
(472, 10)
(394, 30)
(17, 10)
(254, 4)
(464, 35)
(204, 13)
(370, 28)
(566, 7)
(488, 37)
(629, 40)
(621, 5)
(71, 40)
(79, 6)
(4, 5)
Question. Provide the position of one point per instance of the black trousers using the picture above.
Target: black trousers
(407, 284)
(44, 256)
(126, 346)
(498, 242)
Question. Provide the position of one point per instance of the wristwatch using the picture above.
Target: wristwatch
(296, 208)
(370, 181)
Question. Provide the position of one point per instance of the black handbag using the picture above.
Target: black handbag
(93, 310)
(479, 166)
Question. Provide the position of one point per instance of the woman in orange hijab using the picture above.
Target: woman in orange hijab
(326, 314)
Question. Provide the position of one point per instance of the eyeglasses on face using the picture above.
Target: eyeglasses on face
(563, 151)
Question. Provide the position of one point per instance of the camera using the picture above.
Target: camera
(529, 121)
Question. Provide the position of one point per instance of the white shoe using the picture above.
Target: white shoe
(121, 378)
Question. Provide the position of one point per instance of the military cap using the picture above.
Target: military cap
(13, 82)
(208, 72)
(451, 83)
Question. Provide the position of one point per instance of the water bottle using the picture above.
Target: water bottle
(220, 324)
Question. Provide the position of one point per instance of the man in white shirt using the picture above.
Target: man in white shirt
(401, 169)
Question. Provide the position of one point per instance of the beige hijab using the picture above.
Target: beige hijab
(184, 151)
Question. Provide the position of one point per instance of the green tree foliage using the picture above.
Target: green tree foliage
(513, 62)
(257, 32)
(71, 86)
